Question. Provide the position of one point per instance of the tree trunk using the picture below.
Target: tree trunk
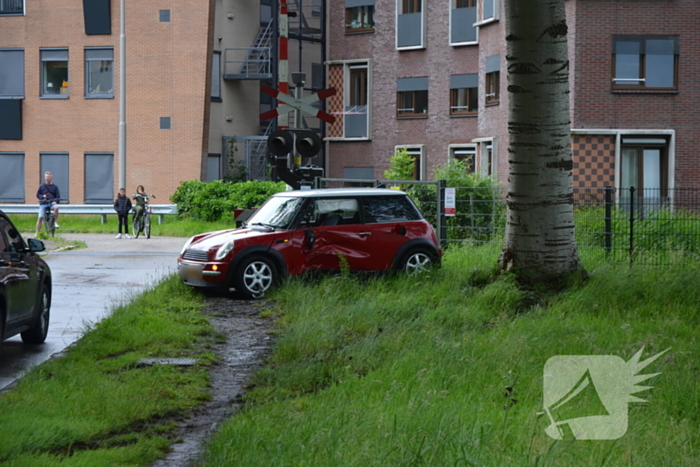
(540, 243)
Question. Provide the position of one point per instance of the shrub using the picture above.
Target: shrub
(215, 201)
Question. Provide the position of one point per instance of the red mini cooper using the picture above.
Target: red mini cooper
(369, 229)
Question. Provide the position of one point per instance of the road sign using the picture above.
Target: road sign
(291, 103)
(450, 202)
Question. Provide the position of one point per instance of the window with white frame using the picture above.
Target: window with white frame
(493, 78)
(465, 154)
(409, 24)
(99, 72)
(462, 19)
(486, 158)
(359, 15)
(357, 100)
(488, 10)
(54, 72)
(11, 7)
(644, 166)
(417, 153)
(412, 97)
(645, 62)
(12, 73)
(464, 94)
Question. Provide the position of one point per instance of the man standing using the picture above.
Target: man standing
(48, 195)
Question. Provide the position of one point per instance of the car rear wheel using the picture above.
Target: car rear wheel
(417, 261)
(37, 334)
(255, 276)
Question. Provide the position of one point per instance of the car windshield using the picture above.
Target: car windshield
(276, 213)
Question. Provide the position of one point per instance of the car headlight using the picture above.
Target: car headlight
(224, 250)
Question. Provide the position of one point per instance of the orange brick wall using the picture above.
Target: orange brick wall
(167, 75)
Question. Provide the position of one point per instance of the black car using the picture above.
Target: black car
(25, 286)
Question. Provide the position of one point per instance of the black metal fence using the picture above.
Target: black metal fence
(644, 227)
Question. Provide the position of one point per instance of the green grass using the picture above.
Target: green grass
(414, 371)
(96, 406)
(78, 223)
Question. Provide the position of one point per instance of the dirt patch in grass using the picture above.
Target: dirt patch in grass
(245, 341)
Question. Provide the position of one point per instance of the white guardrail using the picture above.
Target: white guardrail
(103, 210)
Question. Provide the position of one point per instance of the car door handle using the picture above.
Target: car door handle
(364, 234)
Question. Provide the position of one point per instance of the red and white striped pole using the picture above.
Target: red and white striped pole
(283, 66)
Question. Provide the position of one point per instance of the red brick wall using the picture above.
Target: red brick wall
(438, 61)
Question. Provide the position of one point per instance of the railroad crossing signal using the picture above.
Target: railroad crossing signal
(291, 103)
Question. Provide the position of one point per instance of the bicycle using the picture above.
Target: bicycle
(49, 219)
(143, 223)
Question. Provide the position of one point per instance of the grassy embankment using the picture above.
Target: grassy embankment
(389, 371)
(448, 370)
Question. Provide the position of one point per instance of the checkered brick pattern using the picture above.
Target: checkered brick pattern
(594, 161)
(335, 103)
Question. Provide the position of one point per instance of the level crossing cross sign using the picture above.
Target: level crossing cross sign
(291, 103)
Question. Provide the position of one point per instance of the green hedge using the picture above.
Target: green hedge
(215, 201)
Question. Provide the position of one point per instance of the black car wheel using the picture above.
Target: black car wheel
(417, 261)
(2, 326)
(37, 334)
(255, 276)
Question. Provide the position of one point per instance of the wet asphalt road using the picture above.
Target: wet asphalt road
(87, 284)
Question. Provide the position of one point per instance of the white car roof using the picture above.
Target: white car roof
(332, 192)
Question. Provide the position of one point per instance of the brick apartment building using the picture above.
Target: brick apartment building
(193, 74)
(431, 77)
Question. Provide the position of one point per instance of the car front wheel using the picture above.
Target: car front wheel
(417, 261)
(37, 334)
(255, 276)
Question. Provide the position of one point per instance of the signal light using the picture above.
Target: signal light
(280, 142)
(308, 143)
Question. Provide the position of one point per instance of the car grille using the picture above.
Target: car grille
(196, 255)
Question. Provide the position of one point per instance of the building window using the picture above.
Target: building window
(216, 77)
(465, 154)
(213, 167)
(359, 15)
(464, 94)
(485, 158)
(417, 153)
(164, 123)
(11, 7)
(12, 73)
(99, 178)
(645, 167)
(99, 72)
(412, 97)
(164, 16)
(11, 177)
(462, 19)
(356, 108)
(493, 78)
(57, 164)
(409, 24)
(488, 10)
(54, 73)
(645, 62)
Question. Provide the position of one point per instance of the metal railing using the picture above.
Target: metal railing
(102, 210)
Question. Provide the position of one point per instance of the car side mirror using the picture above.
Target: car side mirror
(310, 238)
(36, 245)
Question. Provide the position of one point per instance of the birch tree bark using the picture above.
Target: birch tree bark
(539, 243)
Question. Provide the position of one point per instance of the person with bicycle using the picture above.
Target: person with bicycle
(49, 196)
(141, 216)
(141, 198)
